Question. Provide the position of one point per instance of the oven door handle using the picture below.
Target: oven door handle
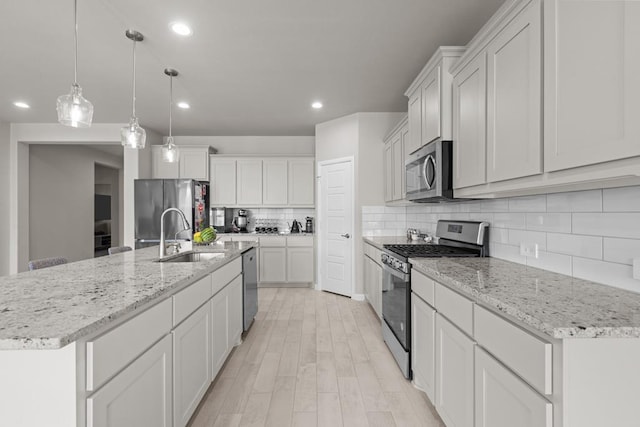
(398, 274)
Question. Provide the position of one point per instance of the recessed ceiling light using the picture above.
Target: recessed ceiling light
(181, 28)
(183, 105)
(317, 105)
(21, 104)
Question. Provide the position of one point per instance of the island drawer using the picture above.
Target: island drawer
(224, 275)
(189, 299)
(115, 349)
(423, 287)
(527, 355)
(455, 307)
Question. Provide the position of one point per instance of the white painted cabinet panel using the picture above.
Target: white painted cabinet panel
(503, 400)
(194, 163)
(514, 91)
(404, 132)
(235, 312)
(469, 123)
(302, 182)
(388, 172)
(222, 181)
(300, 265)
(423, 350)
(415, 122)
(431, 117)
(219, 330)
(274, 182)
(398, 167)
(161, 169)
(140, 395)
(273, 265)
(592, 89)
(249, 182)
(191, 364)
(454, 374)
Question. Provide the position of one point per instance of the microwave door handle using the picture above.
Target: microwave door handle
(424, 171)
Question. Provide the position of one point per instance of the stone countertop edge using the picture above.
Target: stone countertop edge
(559, 306)
(14, 337)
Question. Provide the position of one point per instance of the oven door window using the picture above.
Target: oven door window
(395, 309)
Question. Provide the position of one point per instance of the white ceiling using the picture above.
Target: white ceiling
(252, 67)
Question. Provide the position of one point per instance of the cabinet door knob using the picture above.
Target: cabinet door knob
(346, 235)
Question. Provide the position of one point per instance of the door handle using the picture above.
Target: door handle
(346, 235)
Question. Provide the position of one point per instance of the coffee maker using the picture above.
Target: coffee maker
(309, 225)
(241, 221)
(222, 219)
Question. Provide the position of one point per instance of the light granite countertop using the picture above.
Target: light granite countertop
(554, 304)
(391, 240)
(52, 307)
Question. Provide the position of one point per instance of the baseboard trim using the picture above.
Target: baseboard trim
(357, 297)
(285, 285)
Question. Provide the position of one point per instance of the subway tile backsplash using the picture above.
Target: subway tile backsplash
(593, 235)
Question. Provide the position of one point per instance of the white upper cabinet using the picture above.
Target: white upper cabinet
(592, 84)
(302, 180)
(430, 100)
(514, 91)
(415, 122)
(249, 182)
(394, 155)
(193, 163)
(469, 123)
(254, 182)
(431, 106)
(222, 181)
(274, 182)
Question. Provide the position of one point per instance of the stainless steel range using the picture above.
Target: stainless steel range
(455, 239)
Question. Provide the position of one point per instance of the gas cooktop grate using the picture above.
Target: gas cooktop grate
(430, 251)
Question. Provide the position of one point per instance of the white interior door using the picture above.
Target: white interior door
(336, 226)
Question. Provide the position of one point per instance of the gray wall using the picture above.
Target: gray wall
(5, 132)
(360, 136)
(61, 189)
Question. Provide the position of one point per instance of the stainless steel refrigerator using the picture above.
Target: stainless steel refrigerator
(153, 196)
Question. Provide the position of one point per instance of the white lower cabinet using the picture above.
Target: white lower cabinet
(273, 264)
(423, 346)
(503, 400)
(235, 312)
(454, 374)
(140, 395)
(191, 364)
(373, 284)
(300, 265)
(219, 330)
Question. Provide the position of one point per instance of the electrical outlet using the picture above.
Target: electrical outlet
(530, 250)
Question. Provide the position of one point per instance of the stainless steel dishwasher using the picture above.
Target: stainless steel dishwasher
(249, 286)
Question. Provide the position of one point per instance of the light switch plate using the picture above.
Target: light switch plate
(636, 268)
(530, 250)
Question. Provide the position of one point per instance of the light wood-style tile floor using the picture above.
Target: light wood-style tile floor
(313, 359)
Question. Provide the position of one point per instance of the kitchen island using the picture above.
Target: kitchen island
(117, 340)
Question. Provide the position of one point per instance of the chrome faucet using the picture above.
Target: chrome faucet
(163, 246)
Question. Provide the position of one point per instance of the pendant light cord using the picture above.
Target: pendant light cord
(75, 63)
(170, 102)
(133, 100)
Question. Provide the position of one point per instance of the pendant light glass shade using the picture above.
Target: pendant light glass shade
(73, 109)
(132, 135)
(170, 152)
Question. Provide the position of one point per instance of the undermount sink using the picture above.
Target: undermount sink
(193, 257)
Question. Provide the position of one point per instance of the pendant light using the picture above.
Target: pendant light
(169, 149)
(132, 135)
(73, 109)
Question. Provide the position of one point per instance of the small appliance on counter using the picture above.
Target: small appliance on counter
(241, 221)
(222, 219)
(309, 225)
(295, 227)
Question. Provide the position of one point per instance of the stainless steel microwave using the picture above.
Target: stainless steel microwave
(429, 173)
